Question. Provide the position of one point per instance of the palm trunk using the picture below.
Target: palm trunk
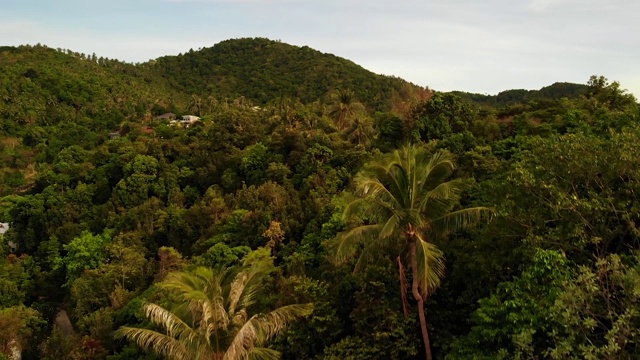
(411, 240)
(403, 288)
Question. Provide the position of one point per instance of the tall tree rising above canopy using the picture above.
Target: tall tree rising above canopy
(407, 201)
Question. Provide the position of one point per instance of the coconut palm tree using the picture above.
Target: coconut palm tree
(195, 105)
(343, 107)
(408, 200)
(212, 318)
(360, 131)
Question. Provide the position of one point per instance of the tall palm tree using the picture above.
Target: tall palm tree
(212, 320)
(343, 107)
(360, 131)
(196, 104)
(408, 200)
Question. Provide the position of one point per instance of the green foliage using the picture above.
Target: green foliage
(261, 70)
(515, 322)
(391, 132)
(441, 116)
(221, 256)
(84, 253)
(255, 162)
(597, 314)
(555, 91)
(17, 325)
(380, 329)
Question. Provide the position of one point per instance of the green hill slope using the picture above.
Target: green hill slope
(43, 86)
(261, 70)
(556, 91)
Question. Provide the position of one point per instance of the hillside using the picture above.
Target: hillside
(261, 70)
(555, 91)
(43, 86)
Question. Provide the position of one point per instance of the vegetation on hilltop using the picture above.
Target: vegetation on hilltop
(261, 70)
(556, 91)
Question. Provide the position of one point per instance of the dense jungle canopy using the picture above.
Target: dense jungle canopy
(273, 209)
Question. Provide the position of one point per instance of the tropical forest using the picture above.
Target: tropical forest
(260, 200)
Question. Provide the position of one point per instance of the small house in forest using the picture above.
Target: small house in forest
(189, 120)
(166, 116)
(13, 247)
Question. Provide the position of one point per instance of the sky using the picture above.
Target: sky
(471, 45)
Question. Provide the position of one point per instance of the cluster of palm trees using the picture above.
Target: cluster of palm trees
(350, 118)
(407, 199)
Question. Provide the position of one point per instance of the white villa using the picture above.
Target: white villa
(189, 119)
(3, 228)
(186, 121)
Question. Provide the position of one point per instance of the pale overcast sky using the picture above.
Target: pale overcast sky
(471, 45)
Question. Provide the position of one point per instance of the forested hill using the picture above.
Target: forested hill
(44, 86)
(257, 211)
(261, 70)
(555, 91)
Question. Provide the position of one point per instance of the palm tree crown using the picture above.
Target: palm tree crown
(212, 319)
(343, 108)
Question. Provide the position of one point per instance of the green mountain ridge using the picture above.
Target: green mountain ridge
(261, 70)
(555, 91)
(256, 69)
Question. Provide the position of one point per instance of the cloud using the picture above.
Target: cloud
(136, 48)
(544, 5)
(258, 2)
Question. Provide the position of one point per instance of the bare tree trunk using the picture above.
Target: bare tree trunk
(403, 288)
(416, 294)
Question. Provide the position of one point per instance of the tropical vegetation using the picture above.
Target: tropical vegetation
(210, 317)
(509, 221)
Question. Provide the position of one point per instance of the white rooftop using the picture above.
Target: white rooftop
(3, 228)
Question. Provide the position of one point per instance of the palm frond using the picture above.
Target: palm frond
(277, 320)
(353, 208)
(239, 318)
(173, 324)
(438, 169)
(372, 188)
(153, 340)
(391, 227)
(243, 341)
(431, 266)
(448, 190)
(444, 197)
(202, 325)
(237, 287)
(260, 353)
(213, 315)
(347, 243)
(458, 220)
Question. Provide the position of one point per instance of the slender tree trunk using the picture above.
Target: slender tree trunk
(411, 239)
(403, 288)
